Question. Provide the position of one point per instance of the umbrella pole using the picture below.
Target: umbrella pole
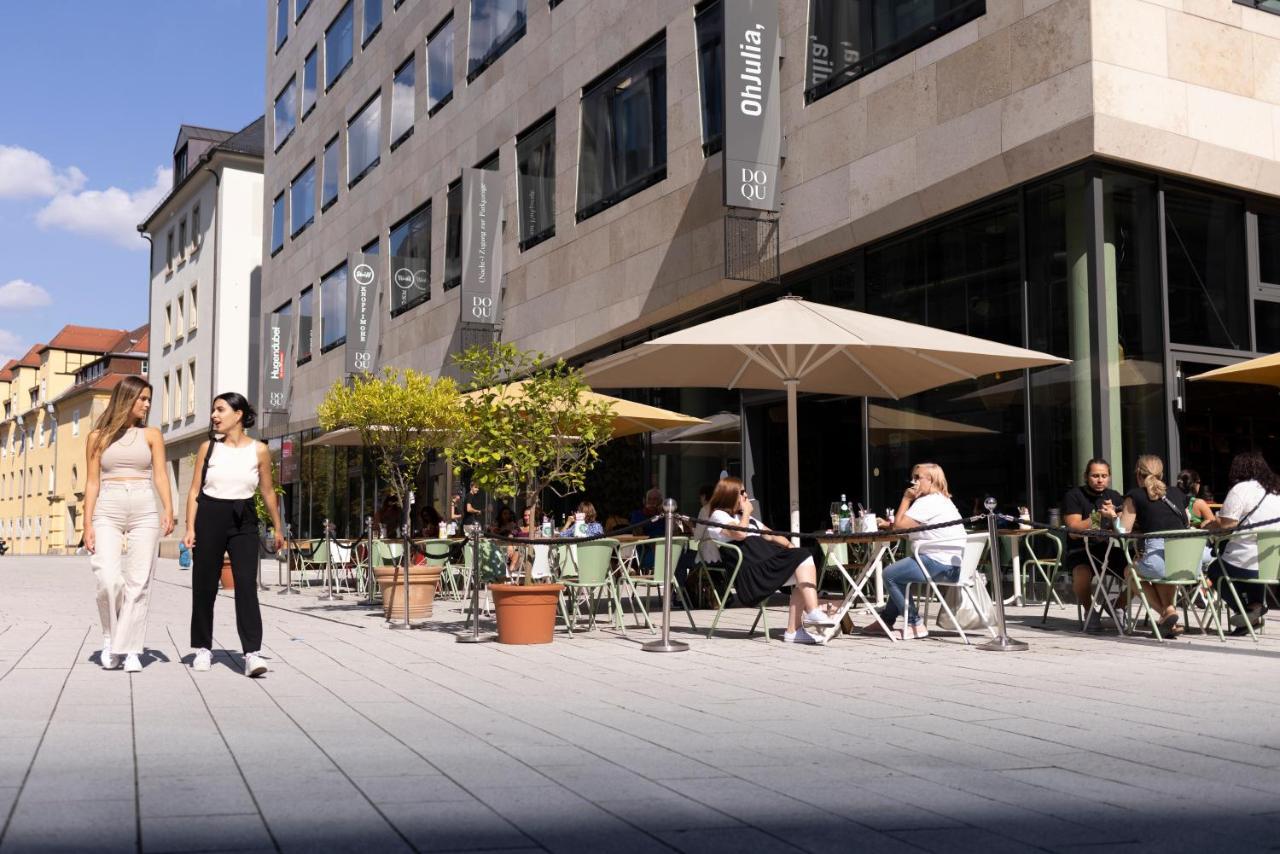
(793, 459)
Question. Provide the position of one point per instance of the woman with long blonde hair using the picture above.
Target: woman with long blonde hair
(125, 472)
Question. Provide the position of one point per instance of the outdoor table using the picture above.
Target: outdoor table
(876, 550)
(1101, 593)
(1017, 535)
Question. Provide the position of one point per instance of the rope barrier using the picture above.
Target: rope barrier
(830, 536)
(560, 541)
(1107, 534)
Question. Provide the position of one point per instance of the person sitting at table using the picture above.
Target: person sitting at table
(505, 523)
(516, 554)
(1198, 509)
(768, 563)
(926, 501)
(1153, 506)
(430, 526)
(388, 517)
(591, 528)
(1254, 497)
(1079, 507)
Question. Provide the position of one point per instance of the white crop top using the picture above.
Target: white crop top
(233, 472)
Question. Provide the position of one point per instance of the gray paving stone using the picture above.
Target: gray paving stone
(244, 832)
(196, 794)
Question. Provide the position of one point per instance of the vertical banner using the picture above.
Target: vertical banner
(752, 120)
(364, 313)
(275, 382)
(481, 247)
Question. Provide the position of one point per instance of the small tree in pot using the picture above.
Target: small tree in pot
(402, 417)
(529, 427)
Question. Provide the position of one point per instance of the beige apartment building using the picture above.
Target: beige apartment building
(51, 397)
(1094, 178)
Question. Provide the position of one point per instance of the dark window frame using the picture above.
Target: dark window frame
(315, 56)
(365, 38)
(325, 204)
(411, 60)
(300, 8)
(452, 232)
(310, 167)
(331, 82)
(496, 50)
(528, 242)
(275, 129)
(1258, 4)
(714, 142)
(332, 345)
(426, 67)
(418, 211)
(279, 200)
(352, 180)
(282, 35)
(312, 290)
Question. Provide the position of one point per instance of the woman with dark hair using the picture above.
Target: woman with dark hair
(1198, 509)
(590, 527)
(232, 465)
(1091, 506)
(1254, 497)
(430, 521)
(768, 563)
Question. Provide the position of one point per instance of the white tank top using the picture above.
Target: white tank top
(233, 472)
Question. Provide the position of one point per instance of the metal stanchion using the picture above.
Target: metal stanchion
(408, 561)
(665, 643)
(472, 530)
(1001, 642)
(330, 588)
(286, 564)
(369, 584)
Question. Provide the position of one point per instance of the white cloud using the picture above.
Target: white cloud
(11, 347)
(112, 214)
(19, 293)
(25, 174)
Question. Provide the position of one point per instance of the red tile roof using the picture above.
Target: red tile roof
(6, 373)
(32, 359)
(85, 339)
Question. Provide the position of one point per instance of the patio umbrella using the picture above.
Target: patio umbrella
(796, 345)
(885, 422)
(1264, 370)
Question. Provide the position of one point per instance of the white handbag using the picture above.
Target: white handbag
(963, 606)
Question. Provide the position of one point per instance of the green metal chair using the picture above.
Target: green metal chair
(313, 555)
(588, 568)
(658, 576)
(1044, 562)
(435, 552)
(732, 564)
(1268, 573)
(1184, 571)
(834, 555)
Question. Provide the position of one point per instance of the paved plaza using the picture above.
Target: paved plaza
(363, 738)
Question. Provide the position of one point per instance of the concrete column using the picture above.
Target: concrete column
(1077, 221)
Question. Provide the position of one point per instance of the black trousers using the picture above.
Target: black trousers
(225, 527)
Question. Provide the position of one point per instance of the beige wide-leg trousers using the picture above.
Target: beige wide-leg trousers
(125, 513)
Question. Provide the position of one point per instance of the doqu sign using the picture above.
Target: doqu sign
(481, 246)
(752, 123)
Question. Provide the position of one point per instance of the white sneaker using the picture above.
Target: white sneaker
(108, 661)
(818, 617)
(254, 665)
(203, 660)
(800, 636)
(132, 664)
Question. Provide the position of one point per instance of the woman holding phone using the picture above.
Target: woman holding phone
(221, 520)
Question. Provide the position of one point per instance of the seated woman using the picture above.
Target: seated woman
(1148, 507)
(768, 563)
(518, 555)
(591, 528)
(1091, 506)
(1254, 497)
(927, 501)
(504, 524)
(1198, 509)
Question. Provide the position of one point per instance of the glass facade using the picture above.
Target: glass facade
(709, 26)
(536, 175)
(309, 70)
(453, 236)
(302, 200)
(286, 113)
(331, 168)
(410, 250)
(372, 20)
(363, 132)
(333, 308)
(440, 66)
(495, 26)
(1204, 255)
(402, 99)
(339, 45)
(277, 226)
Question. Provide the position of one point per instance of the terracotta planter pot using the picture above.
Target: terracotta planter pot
(423, 581)
(526, 612)
(383, 575)
(228, 580)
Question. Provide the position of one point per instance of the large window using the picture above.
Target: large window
(536, 177)
(306, 313)
(1204, 256)
(709, 24)
(299, 7)
(453, 236)
(410, 249)
(332, 172)
(402, 103)
(362, 140)
(624, 131)
(302, 200)
(849, 38)
(333, 309)
(440, 66)
(282, 23)
(495, 26)
(372, 20)
(339, 46)
(309, 81)
(277, 224)
(286, 113)
(1269, 249)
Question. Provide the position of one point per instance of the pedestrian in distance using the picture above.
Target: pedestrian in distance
(221, 519)
(124, 474)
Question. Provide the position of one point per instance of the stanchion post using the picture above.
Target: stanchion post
(665, 644)
(408, 555)
(330, 589)
(287, 566)
(1002, 642)
(472, 530)
(368, 541)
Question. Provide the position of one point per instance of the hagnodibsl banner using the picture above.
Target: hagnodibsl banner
(275, 382)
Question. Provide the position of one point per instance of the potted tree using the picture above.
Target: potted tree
(528, 427)
(402, 417)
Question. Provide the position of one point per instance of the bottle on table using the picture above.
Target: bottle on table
(846, 516)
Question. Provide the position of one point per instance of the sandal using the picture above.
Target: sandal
(912, 632)
(874, 629)
(1169, 627)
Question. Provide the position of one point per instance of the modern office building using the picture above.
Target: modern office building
(1093, 178)
(205, 278)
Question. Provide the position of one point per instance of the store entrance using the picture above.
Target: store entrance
(1219, 420)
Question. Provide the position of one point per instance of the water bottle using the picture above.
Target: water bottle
(846, 523)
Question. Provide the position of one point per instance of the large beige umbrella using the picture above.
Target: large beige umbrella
(1264, 370)
(885, 422)
(795, 345)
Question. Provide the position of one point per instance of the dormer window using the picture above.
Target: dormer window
(179, 165)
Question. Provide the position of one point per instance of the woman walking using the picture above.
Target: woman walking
(124, 473)
(221, 520)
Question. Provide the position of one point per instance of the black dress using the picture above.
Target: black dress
(766, 566)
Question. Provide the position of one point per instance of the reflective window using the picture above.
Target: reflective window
(302, 200)
(306, 311)
(709, 24)
(402, 102)
(286, 113)
(277, 224)
(1204, 256)
(410, 249)
(1266, 320)
(309, 81)
(197, 236)
(1269, 248)
(333, 309)
(372, 20)
(624, 131)
(282, 22)
(339, 46)
(453, 236)
(332, 173)
(849, 38)
(300, 6)
(362, 140)
(536, 177)
(495, 26)
(1272, 6)
(440, 66)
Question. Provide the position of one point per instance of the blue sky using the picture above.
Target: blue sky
(91, 96)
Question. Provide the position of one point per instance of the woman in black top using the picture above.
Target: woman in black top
(1149, 507)
(1078, 508)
